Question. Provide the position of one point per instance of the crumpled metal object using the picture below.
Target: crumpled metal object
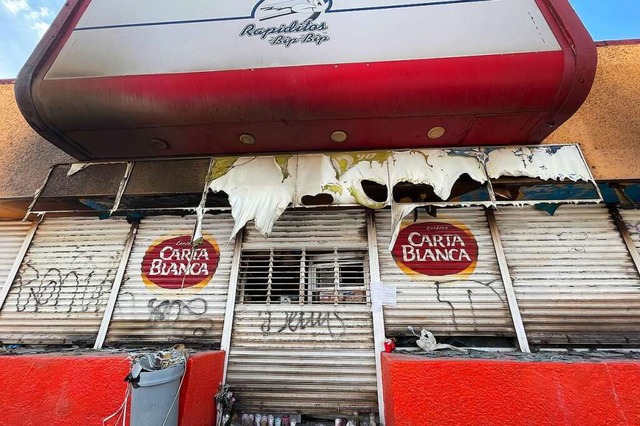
(427, 342)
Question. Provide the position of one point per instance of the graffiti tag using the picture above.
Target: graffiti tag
(299, 321)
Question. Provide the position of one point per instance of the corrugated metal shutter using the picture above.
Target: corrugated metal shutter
(63, 285)
(313, 229)
(12, 234)
(632, 220)
(473, 305)
(573, 275)
(145, 313)
(313, 358)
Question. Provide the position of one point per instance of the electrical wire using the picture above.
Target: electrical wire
(122, 409)
(186, 359)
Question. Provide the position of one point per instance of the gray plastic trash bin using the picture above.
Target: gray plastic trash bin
(151, 402)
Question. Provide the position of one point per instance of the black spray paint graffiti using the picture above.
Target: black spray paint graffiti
(171, 310)
(300, 321)
(45, 290)
(469, 294)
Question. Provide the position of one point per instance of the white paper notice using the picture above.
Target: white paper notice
(389, 295)
(382, 295)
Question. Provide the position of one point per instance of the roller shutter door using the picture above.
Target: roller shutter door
(64, 282)
(470, 303)
(154, 303)
(302, 338)
(573, 275)
(12, 235)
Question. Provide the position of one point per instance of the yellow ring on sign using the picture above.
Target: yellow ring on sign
(422, 277)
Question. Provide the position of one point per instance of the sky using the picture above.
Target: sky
(23, 22)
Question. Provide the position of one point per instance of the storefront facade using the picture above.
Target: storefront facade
(297, 311)
(300, 265)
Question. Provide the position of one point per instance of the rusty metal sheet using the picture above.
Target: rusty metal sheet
(573, 275)
(155, 304)
(63, 285)
(450, 301)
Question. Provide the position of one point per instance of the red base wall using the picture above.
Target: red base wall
(420, 392)
(61, 390)
(197, 398)
(67, 390)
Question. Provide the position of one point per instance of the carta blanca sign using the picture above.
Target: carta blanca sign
(172, 263)
(436, 249)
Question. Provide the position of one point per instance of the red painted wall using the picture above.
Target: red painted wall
(203, 376)
(433, 392)
(62, 389)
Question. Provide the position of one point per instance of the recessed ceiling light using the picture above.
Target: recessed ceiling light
(339, 136)
(247, 139)
(159, 143)
(436, 132)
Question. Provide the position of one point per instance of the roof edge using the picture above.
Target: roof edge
(624, 42)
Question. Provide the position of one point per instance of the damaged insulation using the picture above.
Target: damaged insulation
(261, 188)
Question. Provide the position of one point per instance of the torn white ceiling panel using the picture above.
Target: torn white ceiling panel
(438, 168)
(259, 189)
(541, 162)
(317, 183)
(354, 168)
(340, 176)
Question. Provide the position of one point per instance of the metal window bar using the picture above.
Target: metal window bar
(270, 277)
(303, 277)
(336, 275)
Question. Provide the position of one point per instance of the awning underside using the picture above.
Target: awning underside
(260, 188)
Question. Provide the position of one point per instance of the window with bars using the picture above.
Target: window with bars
(299, 276)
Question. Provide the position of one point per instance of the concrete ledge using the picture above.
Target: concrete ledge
(421, 391)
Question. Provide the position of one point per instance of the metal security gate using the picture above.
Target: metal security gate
(61, 290)
(573, 275)
(12, 235)
(302, 340)
(154, 304)
(462, 303)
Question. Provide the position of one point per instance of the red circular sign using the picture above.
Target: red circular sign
(167, 262)
(435, 249)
